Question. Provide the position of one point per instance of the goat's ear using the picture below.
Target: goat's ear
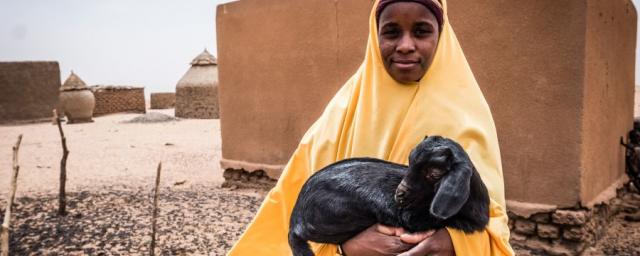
(452, 193)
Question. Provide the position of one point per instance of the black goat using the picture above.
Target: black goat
(440, 188)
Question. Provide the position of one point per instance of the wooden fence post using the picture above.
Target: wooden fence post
(155, 211)
(6, 224)
(62, 199)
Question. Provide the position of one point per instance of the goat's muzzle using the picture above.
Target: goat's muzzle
(402, 195)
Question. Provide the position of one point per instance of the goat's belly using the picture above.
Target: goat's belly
(334, 233)
(338, 203)
(330, 216)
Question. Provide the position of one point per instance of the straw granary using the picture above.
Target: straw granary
(197, 91)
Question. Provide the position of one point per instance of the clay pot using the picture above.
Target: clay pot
(78, 105)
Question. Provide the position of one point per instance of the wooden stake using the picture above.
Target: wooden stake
(62, 199)
(155, 212)
(12, 194)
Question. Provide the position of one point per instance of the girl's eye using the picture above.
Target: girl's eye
(390, 33)
(422, 32)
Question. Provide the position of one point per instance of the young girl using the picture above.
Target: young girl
(414, 81)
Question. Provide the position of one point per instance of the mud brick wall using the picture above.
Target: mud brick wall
(200, 102)
(116, 99)
(163, 100)
(28, 90)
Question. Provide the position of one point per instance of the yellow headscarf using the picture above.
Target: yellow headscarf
(372, 115)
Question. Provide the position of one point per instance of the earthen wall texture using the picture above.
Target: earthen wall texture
(163, 100)
(274, 85)
(532, 60)
(199, 102)
(117, 100)
(609, 85)
(529, 63)
(636, 110)
(28, 90)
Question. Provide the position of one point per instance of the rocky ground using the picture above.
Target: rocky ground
(193, 220)
(622, 238)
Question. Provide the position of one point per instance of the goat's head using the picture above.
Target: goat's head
(435, 173)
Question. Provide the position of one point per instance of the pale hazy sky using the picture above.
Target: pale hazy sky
(121, 42)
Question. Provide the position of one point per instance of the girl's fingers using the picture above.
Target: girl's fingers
(414, 238)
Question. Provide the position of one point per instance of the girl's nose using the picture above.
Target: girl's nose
(406, 44)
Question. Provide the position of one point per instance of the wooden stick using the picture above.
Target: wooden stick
(155, 212)
(12, 194)
(62, 199)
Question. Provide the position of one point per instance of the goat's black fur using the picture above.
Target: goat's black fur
(440, 188)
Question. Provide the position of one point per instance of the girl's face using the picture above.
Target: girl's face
(408, 35)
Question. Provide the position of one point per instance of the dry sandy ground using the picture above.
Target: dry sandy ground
(110, 152)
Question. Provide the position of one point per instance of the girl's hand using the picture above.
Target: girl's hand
(429, 243)
(375, 241)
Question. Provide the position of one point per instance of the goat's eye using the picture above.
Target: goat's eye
(435, 174)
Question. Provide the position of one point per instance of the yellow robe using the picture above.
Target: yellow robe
(374, 116)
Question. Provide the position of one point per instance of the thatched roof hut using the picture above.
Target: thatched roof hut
(197, 91)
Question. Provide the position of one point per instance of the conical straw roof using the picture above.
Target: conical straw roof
(202, 73)
(204, 59)
(73, 82)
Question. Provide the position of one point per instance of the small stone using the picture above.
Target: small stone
(518, 237)
(525, 227)
(244, 176)
(575, 233)
(628, 208)
(227, 174)
(541, 217)
(591, 251)
(548, 231)
(568, 217)
(235, 174)
(558, 249)
(537, 244)
(632, 217)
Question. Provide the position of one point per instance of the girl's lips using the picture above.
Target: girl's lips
(405, 64)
